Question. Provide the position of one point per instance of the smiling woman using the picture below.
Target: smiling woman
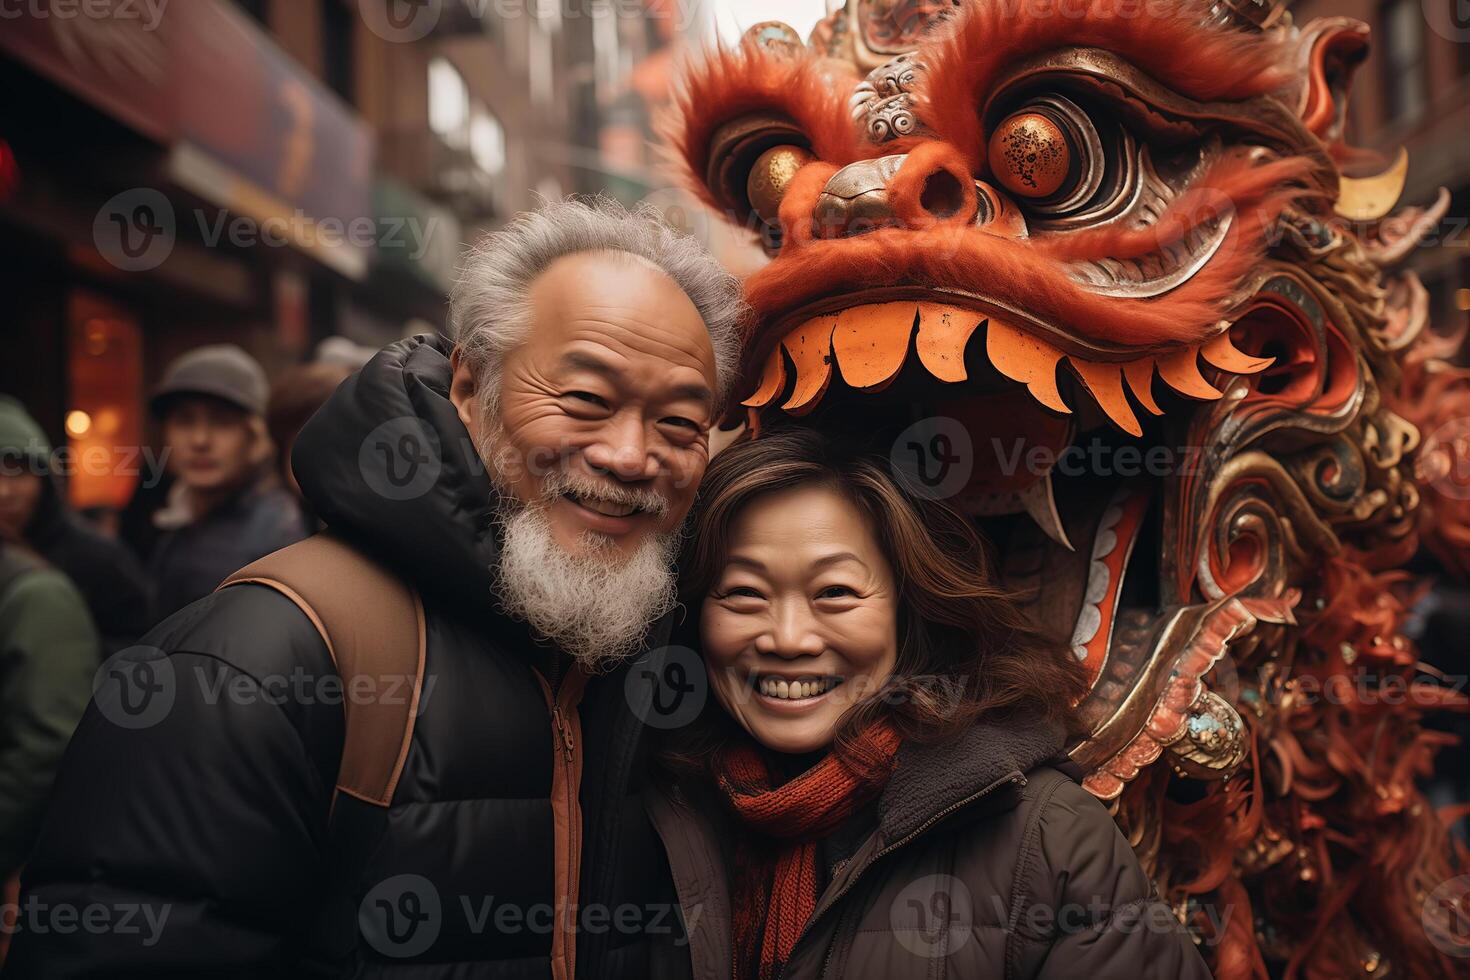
(878, 696)
(808, 564)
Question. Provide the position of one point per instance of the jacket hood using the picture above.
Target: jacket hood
(931, 778)
(387, 464)
(20, 434)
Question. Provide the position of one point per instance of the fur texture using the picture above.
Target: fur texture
(964, 66)
(726, 84)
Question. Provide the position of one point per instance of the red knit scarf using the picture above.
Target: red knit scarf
(776, 865)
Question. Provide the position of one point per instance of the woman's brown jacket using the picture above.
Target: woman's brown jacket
(986, 863)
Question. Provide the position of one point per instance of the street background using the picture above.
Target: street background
(276, 173)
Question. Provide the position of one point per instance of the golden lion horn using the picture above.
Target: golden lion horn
(1370, 198)
(870, 345)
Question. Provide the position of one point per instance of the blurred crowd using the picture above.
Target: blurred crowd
(72, 593)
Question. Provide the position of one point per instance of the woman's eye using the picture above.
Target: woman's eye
(742, 592)
(837, 592)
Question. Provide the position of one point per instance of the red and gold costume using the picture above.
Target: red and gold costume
(1125, 233)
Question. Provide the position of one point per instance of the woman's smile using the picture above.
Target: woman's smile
(801, 623)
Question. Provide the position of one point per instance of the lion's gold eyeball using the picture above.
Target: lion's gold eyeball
(1030, 155)
(771, 176)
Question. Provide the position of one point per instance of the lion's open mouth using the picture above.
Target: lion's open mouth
(871, 342)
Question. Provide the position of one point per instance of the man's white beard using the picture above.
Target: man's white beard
(597, 606)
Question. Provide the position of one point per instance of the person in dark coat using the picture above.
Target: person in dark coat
(34, 512)
(226, 506)
(876, 788)
(529, 480)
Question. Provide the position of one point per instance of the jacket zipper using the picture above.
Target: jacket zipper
(1015, 778)
(560, 700)
(564, 730)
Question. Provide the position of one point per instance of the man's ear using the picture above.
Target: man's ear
(463, 394)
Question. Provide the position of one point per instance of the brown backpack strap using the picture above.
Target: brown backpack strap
(373, 625)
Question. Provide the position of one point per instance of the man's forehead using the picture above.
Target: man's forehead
(620, 300)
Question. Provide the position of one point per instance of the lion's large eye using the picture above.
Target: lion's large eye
(771, 175)
(751, 163)
(1047, 152)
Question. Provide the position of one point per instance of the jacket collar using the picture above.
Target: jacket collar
(930, 779)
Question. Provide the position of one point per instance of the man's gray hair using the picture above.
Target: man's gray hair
(490, 310)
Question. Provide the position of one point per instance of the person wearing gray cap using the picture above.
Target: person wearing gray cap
(226, 508)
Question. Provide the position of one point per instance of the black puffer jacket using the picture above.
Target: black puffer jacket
(980, 859)
(208, 826)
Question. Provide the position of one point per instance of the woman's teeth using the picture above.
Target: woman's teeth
(773, 687)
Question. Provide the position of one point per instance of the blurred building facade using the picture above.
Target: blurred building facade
(273, 172)
(1414, 91)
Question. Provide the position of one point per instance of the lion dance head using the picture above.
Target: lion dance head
(1105, 274)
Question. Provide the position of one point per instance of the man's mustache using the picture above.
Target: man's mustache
(559, 483)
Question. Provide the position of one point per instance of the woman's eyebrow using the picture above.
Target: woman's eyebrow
(747, 562)
(837, 557)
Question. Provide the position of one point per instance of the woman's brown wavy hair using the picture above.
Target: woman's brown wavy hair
(967, 652)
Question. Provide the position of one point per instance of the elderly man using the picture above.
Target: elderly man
(529, 484)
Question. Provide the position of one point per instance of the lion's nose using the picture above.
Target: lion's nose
(863, 197)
